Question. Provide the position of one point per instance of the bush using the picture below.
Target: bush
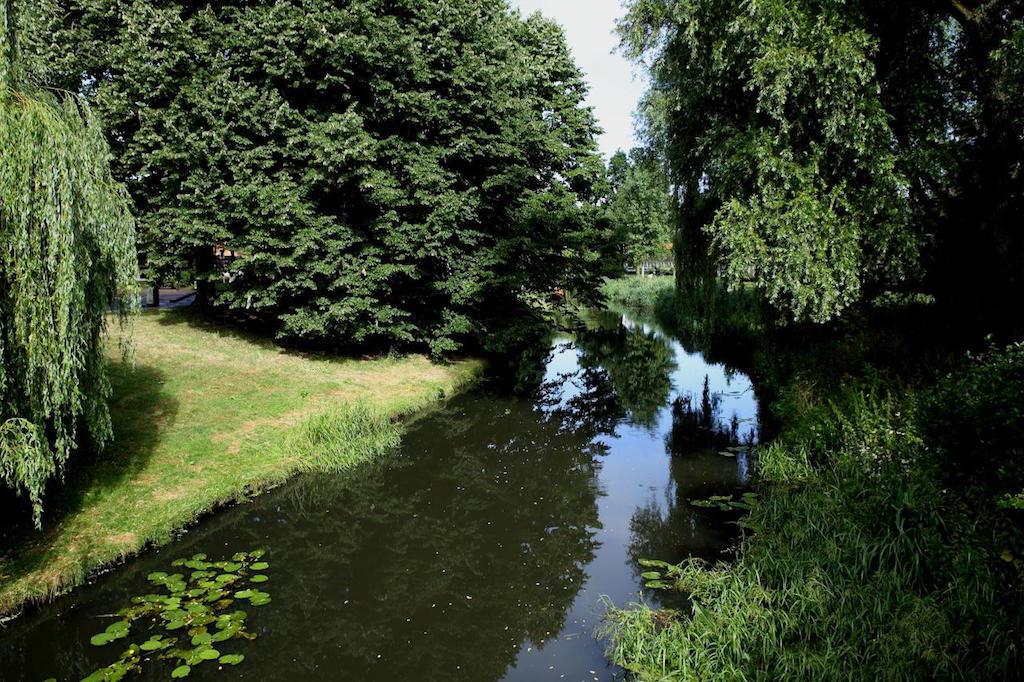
(858, 562)
(976, 420)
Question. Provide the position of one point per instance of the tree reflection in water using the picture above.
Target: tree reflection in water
(481, 539)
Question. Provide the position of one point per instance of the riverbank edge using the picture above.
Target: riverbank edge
(332, 440)
(862, 557)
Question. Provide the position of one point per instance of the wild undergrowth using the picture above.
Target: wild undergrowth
(886, 540)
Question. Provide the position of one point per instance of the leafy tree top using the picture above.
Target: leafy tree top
(827, 149)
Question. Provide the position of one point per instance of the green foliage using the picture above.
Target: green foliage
(976, 420)
(339, 439)
(696, 316)
(67, 251)
(828, 149)
(858, 560)
(189, 622)
(640, 206)
(406, 173)
(639, 293)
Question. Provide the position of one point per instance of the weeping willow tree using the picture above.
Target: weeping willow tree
(67, 250)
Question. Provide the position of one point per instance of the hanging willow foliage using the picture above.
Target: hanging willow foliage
(67, 250)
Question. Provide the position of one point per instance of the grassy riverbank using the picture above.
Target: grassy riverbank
(887, 541)
(205, 416)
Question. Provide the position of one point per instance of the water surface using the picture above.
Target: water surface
(485, 548)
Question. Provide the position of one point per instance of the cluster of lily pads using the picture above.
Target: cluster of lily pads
(662, 577)
(190, 620)
(727, 502)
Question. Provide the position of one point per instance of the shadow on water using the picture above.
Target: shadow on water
(483, 548)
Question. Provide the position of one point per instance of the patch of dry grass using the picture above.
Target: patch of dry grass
(205, 416)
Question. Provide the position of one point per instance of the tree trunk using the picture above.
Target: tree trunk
(205, 267)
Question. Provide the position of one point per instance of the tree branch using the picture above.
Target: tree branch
(964, 11)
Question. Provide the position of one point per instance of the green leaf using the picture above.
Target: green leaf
(181, 671)
(654, 563)
(259, 578)
(101, 639)
(232, 659)
(152, 644)
(202, 638)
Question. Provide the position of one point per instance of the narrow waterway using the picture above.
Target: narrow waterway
(486, 548)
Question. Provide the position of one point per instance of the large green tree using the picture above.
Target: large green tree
(67, 250)
(640, 206)
(830, 149)
(392, 172)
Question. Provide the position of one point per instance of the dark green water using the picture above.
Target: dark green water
(484, 549)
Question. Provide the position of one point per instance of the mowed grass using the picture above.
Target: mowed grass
(204, 416)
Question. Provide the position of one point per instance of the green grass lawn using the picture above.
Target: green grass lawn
(204, 416)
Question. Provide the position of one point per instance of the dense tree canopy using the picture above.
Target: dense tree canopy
(67, 249)
(827, 149)
(391, 172)
(639, 206)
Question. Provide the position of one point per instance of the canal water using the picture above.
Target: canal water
(487, 548)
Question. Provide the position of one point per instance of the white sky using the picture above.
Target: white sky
(614, 93)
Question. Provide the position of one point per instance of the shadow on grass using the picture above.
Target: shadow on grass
(196, 319)
(262, 337)
(140, 409)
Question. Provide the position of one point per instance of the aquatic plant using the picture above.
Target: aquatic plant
(192, 617)
(727, 502)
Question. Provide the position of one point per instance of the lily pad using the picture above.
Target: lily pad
(153, 644)
(202, 638)
(118, 629)
(185, 605)
(654, 563)
(100, 639)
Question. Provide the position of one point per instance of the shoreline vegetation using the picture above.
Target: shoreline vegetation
(204, 417)
(886, 540)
